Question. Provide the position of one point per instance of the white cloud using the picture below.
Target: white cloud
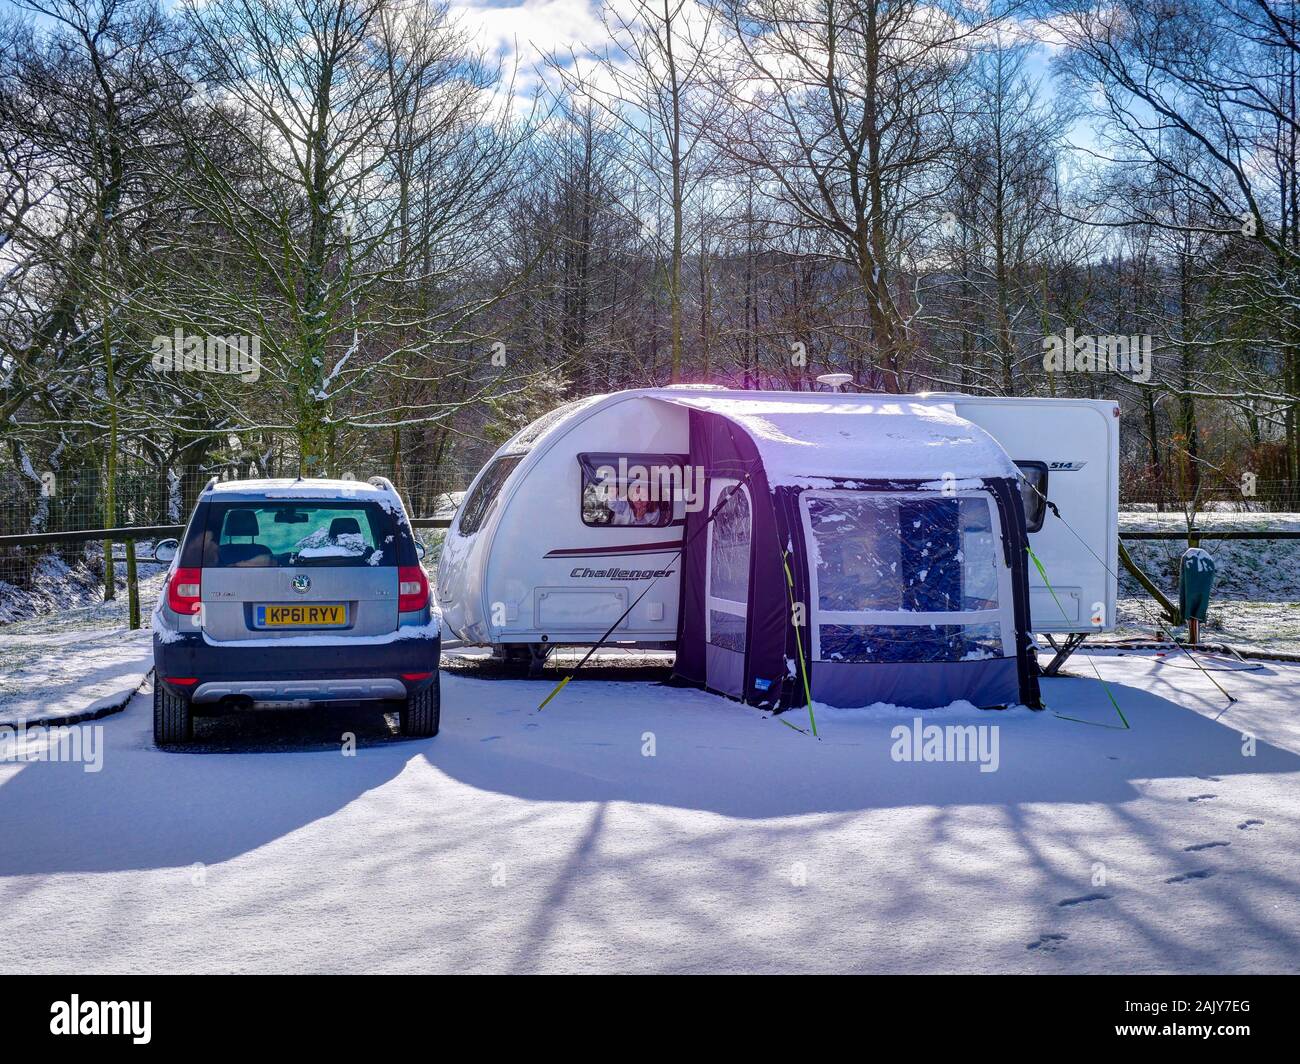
(534, 28)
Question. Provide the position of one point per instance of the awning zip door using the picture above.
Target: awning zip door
(727, 567)
(727, 587)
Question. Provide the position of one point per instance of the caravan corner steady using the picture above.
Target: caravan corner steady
(902, 520)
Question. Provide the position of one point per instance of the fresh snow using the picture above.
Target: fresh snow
(60, 591)
(320, 544)
(1254, 603)
(81, 674)
(67, 600)
(808, 441)
(312, 488)
(526, 841)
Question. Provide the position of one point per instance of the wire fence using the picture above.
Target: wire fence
(40, 578)
(1257, 496)
(76, 499)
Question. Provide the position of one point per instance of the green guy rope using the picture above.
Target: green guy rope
(798, 642)
(1104, 685)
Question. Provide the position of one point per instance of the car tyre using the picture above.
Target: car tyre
(173, 719)
(420, 715)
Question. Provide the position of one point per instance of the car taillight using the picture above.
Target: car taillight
(412, 589)
(184, 590)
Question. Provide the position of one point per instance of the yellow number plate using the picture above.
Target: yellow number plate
(322, 615)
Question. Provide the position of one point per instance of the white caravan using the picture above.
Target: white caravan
(538, 524)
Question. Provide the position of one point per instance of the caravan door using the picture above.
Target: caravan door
(727, 587)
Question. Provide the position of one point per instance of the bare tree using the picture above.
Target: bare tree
(375, 154)
(1001, 221)
(1203, 92)
(845, 107)
(650, 74)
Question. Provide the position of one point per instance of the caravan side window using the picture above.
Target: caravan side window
(479, 502)
(637, 490)
(1033, 493)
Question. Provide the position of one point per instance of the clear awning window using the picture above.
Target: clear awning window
(906, 576)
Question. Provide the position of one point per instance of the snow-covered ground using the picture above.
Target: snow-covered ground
(80, 660)
(554, 841)
(72, 674)
(1256, 598)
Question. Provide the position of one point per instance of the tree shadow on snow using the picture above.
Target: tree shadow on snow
(247, 780)
(715, 755)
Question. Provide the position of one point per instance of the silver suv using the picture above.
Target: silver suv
(293, 592)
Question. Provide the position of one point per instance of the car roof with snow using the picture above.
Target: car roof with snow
(379, 491)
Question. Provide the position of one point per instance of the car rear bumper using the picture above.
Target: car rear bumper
(340, 670)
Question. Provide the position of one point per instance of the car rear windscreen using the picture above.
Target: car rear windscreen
(299, 533)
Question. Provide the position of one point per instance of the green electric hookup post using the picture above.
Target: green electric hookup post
(1195, 580)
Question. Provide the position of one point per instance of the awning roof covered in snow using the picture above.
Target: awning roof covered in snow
(803, 440)
(914, 599)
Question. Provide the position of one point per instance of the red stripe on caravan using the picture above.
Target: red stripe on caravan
(628, 548)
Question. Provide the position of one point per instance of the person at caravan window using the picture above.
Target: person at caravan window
(632, 490)
(628, 506)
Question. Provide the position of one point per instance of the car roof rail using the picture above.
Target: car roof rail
(382, 482)
(213, 481)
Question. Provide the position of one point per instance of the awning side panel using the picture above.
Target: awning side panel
(917, 684)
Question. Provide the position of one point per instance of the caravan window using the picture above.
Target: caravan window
(479, 501)
(639, 490)
(1033, 493)
(905, 577)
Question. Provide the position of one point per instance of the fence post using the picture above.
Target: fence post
(110, 572)
(132, 587)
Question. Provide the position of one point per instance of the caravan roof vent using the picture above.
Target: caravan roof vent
(835, 381)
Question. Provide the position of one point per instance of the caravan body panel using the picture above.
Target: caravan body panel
(536, 572)
(1078, 441)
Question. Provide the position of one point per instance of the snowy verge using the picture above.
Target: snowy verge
(80, 681)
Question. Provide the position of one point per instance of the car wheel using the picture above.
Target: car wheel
(420, 715)
(173, 720)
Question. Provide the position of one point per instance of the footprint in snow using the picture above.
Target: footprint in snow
(1186, 877)
(489, 738)
(1048, 943)
(1202, 797)
(1246, 825)
(1211, 779)
(1204, 846)
(1084, 898)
